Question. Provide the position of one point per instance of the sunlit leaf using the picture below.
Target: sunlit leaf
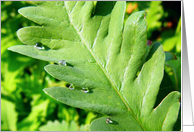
(8, 116)
(103, 61)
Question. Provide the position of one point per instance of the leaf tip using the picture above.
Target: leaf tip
(12, 48)
(44, 90)
(45, 68)
(21, 10)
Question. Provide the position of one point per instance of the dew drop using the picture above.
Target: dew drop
(109, 121)
(85, 90)
(39, 45)
(71, 87)
(62, 63)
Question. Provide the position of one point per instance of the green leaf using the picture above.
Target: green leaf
(172, 40)
(169, 56)
(105, 57)
(175, 72)
(38, 113)
(14, 65)
(8, 116)
(166, 87)
(67, 114)
(57, 126)
(178, 33)
(154, 14)
(89, 117)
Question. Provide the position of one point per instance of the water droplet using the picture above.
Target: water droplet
(71, 87)
(109, 121)
(85, 90)
(39, 45)
(62, 63)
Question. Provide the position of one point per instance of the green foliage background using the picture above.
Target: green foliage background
(24, 105)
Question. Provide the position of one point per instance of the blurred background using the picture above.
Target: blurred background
(24, 105)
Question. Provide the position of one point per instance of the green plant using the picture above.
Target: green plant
(24, 105)
(63, 126)
(107, 62)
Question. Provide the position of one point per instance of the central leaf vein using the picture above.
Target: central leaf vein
(86, 44)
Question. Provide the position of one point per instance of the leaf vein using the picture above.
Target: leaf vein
(97, 34)
(85, 43)
(74, 7)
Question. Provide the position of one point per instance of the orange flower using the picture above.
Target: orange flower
(131, 7)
